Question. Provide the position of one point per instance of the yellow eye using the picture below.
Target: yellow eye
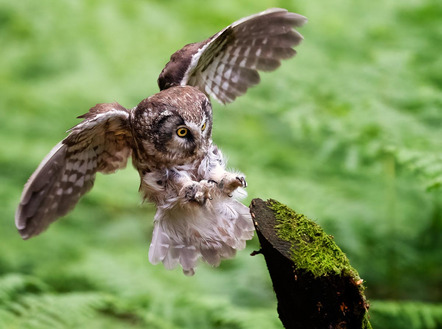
(182, 132)
(203, 127)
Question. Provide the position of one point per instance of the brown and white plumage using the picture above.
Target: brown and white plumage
(101, 143)
(168, 136)
(227, 64)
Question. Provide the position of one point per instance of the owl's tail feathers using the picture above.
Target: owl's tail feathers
(219, 240)
(236, 225)
(164, 249)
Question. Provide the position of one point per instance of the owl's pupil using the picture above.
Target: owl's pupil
(203, 127)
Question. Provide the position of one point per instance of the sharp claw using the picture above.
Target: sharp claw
(242, 181)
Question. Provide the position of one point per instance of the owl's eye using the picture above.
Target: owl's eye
(203, 127)
(182, 132)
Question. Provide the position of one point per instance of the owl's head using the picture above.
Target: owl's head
(174, 126)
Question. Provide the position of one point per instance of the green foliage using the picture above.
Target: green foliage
(23, 306)
(412, 315)
(347, 133)
(425, 164)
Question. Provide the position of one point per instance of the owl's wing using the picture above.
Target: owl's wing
(227, 64)
(100, 143)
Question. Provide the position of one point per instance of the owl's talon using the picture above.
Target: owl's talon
(200, 197)
(230, 183)
(197, 192)
(242, 180)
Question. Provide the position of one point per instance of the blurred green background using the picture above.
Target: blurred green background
(348, 133)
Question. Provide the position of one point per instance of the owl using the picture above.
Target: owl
(168, 138)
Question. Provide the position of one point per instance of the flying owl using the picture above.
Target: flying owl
(168, 137)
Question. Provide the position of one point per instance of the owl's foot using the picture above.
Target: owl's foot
(198, 191)
(231, 182)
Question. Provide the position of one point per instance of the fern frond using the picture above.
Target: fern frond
(52, 311)
(412, 315)
(425, 164)
(14, 285)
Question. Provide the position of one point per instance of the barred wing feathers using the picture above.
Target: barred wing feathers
(101, 143)
(227, 64)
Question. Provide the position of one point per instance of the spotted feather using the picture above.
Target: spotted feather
(227, 64)
(101, 143)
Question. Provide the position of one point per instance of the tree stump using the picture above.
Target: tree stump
(314, 283)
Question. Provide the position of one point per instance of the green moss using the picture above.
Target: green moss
(312, 249)
(365, 323)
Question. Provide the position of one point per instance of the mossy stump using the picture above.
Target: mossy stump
(314, 283)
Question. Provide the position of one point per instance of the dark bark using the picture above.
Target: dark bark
(306, 299)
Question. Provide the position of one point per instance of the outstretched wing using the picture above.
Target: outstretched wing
(101, 143)
(227, 64)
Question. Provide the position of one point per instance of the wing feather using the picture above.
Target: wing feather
(101, 143)
(227, 64)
